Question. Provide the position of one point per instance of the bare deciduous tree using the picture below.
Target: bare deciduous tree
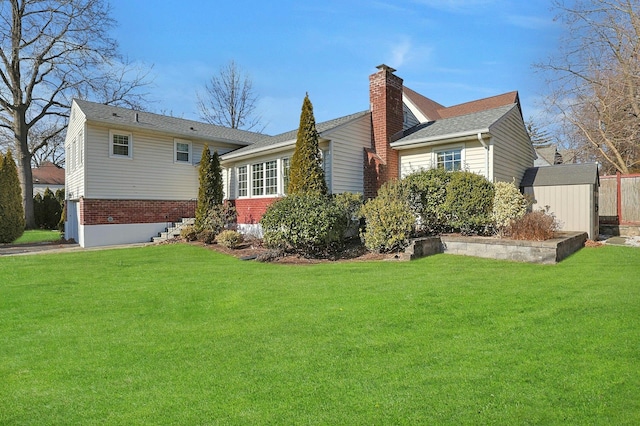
(229, 100)
(595, 81)
(50, 52)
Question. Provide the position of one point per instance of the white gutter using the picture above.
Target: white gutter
(486, 155)
(417, 142)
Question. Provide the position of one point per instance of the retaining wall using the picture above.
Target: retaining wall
(545, 252)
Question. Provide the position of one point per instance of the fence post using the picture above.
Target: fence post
(619, 196)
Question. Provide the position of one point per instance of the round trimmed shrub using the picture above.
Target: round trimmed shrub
(427, 192)
(469, 202)
(308, 223)
(389, 219)
(229, 238)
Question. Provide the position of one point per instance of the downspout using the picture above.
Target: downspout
(486, 155)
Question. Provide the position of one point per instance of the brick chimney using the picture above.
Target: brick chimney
(385, 94)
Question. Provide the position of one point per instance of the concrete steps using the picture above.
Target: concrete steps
(173, 230)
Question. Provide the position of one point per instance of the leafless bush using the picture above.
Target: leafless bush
(535, 226)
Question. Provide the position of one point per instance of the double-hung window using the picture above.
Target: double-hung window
(242, 181)
(182, 151)
(449, 160)
(257, 179)
(271, 177)
(120, 144)
(286, 166)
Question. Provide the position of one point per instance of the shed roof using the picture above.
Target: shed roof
(562, 174)
(112, 115)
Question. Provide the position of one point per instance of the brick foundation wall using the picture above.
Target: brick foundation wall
(385, 95)
(250, 210)
(111, 212)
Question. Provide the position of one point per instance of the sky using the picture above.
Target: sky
(451, 51)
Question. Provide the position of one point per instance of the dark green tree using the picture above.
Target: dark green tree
(210, 191)
(11, 210)
(306, 174)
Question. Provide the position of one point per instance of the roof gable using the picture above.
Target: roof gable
(427, 106)
(456, 126)
(497, 101)
(123, 117)
(289, 138)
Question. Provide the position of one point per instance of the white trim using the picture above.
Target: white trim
(189, 160)
(113, 133)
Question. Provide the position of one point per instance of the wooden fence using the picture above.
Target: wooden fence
(619, 199)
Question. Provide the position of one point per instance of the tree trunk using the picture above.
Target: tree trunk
(20, 131)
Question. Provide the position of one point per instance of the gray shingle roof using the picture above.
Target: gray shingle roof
(123, 117)
(562, 174)
(447, 127)
(270, 141)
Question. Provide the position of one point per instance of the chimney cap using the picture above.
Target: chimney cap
(384, 67)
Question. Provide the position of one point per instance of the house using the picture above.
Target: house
(129, 173)
(47, 175)
(569, 192)
(550, 155)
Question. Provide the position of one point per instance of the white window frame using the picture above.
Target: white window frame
(112, 134)
(243, 172)
(176, 152)
(257, 176)
(285, 168)
(437, 152)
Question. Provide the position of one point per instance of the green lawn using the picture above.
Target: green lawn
(38, 236)
(178, 334)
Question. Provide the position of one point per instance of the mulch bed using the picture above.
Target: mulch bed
(352, 252)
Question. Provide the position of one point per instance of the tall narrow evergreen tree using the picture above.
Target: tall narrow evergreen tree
(210, 191)
(306, 174)
(11, 210)
(216, 183)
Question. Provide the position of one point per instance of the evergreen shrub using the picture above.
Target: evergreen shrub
(230, 238)
(307, 223)
(11, 210)
(427, 193)
(389, 219)
(469, 202)
(218, 218)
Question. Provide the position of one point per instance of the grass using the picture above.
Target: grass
(183, 335)
(38, 236)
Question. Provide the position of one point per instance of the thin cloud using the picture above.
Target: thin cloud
(458, 6)
(530, 22)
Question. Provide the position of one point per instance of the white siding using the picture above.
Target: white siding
(473, 157)
(512, 150)
(349, 142)
(75, 167)
(572, 205)
(151, 173)
(231, 173)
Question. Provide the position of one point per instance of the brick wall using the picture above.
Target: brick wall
(250, 210)
(385, 95)
(106, 212)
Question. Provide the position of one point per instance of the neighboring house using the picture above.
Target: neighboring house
(550, 156)
(48, 175)
(120, 161)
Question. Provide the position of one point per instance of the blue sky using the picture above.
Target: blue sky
(451, 51)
